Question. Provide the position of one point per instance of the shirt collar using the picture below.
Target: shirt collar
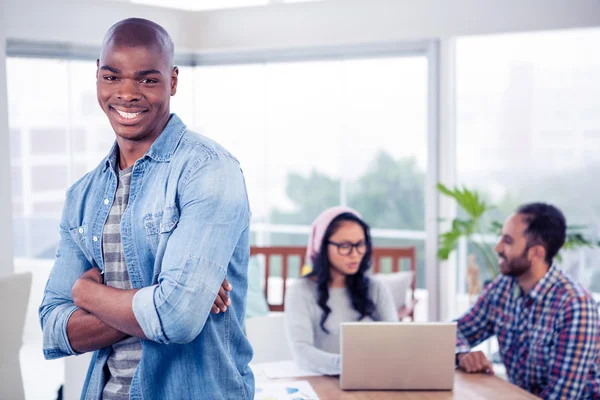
(163, 147)
(545, 284)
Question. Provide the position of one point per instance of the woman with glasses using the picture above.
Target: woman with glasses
(336, 290)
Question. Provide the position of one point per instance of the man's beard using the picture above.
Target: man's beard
(516, 266)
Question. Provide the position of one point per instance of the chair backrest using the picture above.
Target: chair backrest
(395, 254)
(14, 296)
(285, 253)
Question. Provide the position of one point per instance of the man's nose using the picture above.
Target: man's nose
(129, 91)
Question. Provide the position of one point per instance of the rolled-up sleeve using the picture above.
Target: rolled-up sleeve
(57, 305)
(475, 325)
(214, 212)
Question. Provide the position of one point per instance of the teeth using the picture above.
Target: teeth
(128, 115)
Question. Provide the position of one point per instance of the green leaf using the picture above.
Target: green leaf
(444, 190)
(577, 228)
(468, 200)
(443, 253)
(447, 243)
(496, 228)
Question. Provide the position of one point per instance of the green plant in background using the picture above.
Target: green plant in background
(476, 224)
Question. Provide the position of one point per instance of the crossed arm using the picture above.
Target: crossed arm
(105, 315)
(79, 313)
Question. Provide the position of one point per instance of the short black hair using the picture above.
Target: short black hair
(546, 226)
(133, 32)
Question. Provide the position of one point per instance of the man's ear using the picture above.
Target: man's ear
(538, 251)
(97, 67)
(174, 77)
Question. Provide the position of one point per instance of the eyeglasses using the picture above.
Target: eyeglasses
(345, 249)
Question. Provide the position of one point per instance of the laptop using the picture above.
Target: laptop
(397, 356)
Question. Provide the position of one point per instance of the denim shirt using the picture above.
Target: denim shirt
(185, 229)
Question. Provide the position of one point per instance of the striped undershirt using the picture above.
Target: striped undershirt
(126, 354)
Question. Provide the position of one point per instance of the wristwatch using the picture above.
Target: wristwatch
(456, 359)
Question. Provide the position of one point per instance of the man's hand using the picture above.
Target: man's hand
(222, 300)
(92, 275)
(475, 362)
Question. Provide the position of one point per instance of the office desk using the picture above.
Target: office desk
(466, 387)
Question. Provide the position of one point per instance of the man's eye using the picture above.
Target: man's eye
(149, 81)
(110, 78)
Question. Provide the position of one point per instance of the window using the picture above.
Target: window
(310, 135)
(58, 133)
(367, 116)
(525, 131)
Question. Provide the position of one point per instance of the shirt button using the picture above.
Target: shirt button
(80, 230)
(95, 238)
(106, 201)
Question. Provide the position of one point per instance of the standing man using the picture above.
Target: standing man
(546, 323)
(147, 238)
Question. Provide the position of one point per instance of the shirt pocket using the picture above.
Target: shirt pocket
(540, 349)
(80, 237)
(159, 225)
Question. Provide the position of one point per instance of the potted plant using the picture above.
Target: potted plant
(477, 224)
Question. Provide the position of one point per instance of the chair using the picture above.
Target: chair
(379, 254)
(397, 255)
(285, 253)
(14, 296)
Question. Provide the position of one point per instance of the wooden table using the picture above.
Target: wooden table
(466, 387)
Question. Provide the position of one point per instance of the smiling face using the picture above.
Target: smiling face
(134, 85)
(514, 258)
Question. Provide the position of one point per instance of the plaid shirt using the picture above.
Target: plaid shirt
(548, 338)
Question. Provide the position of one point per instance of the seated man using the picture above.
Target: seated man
(546, 323)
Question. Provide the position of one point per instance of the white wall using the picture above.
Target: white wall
(361, 21)
(328, 22)
(85, 22)
(6, 239)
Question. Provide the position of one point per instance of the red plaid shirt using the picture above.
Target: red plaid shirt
(548, 338)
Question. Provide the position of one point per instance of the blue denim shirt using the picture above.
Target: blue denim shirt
(185, 228)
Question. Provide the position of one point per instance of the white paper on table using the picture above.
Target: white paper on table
(284, 369)
(292, 390)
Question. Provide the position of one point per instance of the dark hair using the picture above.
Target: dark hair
(357, 284)
(133, 32)
(546, 226)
